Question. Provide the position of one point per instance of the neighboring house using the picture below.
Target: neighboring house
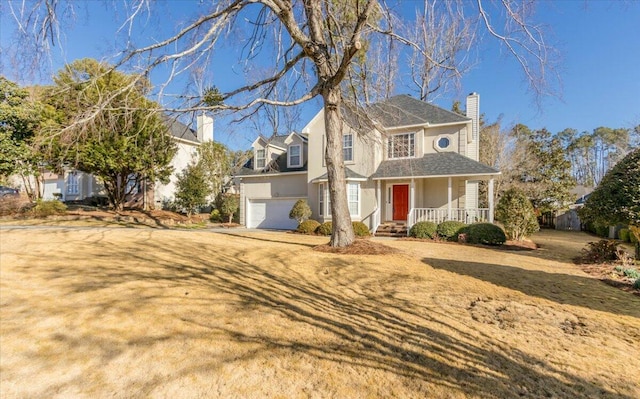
(420, 162)
(73, 185)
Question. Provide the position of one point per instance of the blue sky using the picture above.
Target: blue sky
(599, 43)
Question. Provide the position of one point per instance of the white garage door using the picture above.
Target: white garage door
(271, 214)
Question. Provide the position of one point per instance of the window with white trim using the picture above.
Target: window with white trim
(353, 198)
(321, 196)
(295, 157)
(442, 143)
(401, 146)
(72, 183)
(260, 158)
(347, 147)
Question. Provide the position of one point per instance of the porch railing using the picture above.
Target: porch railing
(439, 215)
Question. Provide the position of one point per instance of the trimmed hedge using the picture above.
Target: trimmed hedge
(424, 230)
(325, 229)
(308, 226)
(485, 233)
(450, 229)
(360, 229)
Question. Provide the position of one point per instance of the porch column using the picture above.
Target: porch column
(490, 194)
(449, 195)
(379, 201)
(412, 195)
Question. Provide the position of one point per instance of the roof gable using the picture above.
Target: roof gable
(179, 130)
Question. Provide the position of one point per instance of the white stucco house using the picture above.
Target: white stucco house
(418, 162)
(73, 185)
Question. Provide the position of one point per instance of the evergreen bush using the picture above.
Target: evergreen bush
(325, 229)
(624, 235)
(450, 229)
(516, 214)
(485, 233)
(300, 211)
(49, 208)
(423, 230)
(360, 229)
(308, 226)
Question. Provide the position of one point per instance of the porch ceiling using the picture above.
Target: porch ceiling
(441, 164)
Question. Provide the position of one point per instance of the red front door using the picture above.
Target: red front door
(400, 202)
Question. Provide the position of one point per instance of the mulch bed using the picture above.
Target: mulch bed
(359, 247)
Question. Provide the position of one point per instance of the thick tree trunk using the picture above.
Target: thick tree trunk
(342, 234)
(149, 195)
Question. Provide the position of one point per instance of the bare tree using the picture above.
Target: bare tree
(313, 43)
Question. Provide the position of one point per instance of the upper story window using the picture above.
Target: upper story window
(401, 146)
(295, 156)
(72, 183)
(347, 147)
(260, 159)
(442, 143)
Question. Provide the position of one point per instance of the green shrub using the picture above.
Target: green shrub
(230, 206)
(450, 229)
(192, 189)
(308, 226)
(624, 234)
(636, 285)
(300, 211)
(632, 238)
(360, 229)
(325, 229)
(215, 216)
(601, 230)
(424, 230)
(48, 208)
(517, 215)
(631, 273)
(600, 251)
(485, 233)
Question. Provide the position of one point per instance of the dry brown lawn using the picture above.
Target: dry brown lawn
(130, 313)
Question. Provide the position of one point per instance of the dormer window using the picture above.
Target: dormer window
(260, 159)
(295, 156)
(401, 146)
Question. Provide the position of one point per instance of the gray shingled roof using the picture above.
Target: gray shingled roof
(405, 110)
(431, 165)
(180, 130)
(349, 174)
(279, 165)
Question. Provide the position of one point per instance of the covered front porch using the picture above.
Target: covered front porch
(433, 199)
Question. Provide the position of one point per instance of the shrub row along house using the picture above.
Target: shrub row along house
(74, 185)
(407, 161)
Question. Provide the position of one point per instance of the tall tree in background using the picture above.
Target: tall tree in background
(540, 169)
(218, 164)
(20, 118)
(311, 42)
(593, 154)
(124, 144)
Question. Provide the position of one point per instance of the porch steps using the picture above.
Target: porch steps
(392, 229)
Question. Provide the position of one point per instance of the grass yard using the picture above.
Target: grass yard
(181, 314)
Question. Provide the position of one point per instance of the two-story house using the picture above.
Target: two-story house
(417, 162)
(74, 185)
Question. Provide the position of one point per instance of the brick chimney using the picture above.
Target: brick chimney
(204, 127)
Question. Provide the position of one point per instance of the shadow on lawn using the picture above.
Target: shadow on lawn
(561, 288)
(370, 330)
